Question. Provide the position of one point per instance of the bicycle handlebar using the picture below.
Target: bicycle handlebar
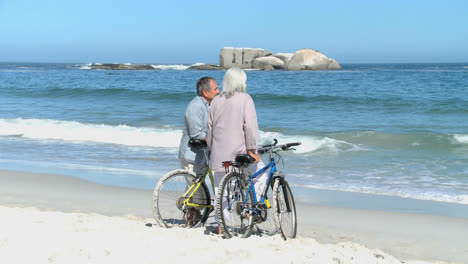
(286, 146)
(270, 145)
(244, 160)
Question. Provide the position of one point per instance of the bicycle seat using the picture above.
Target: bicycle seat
(244, 160)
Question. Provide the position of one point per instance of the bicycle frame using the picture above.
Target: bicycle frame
(272, 166)
(194, 187)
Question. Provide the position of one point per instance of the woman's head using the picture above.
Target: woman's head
(235, 80)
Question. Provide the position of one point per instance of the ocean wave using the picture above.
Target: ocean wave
(46, 129)
(394, 103)
(85, 67)
(117, 92)
(332, 143)
(155, 66)
(174, 66)
(170, 67)
(421, 140)
(310, 144)
(419, 195)
(461, 138)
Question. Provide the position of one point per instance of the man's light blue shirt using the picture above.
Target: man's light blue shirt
(195, 126)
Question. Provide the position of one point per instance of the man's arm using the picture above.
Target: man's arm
(194, 118)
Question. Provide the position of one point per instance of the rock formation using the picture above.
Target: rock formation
(284, 56)
(262, 62)
(309, 59)
(240, 57)
(247, 58)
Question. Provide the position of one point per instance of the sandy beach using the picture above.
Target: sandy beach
(61, 219)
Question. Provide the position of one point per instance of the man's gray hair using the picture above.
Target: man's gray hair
(235, 80)
(204, 84)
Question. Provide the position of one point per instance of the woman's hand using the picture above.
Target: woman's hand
(254, 155)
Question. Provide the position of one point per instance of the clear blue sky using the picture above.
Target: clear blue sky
(151, 31)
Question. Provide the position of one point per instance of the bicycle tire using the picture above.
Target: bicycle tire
(285, 220)
(231, 203)
(169, 191)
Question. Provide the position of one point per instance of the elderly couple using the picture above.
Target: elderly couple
(228, 124)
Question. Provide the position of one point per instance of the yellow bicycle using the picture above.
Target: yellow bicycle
(182, 199)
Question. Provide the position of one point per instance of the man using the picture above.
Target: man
(196, 121)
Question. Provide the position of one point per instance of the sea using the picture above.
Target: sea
(396, 131)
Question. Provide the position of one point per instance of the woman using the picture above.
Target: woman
(233, 127)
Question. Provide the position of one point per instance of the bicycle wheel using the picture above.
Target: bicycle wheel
(284, 209)
(232, 206)
(168, 197)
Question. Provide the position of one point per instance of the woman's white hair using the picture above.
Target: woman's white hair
(235, 80)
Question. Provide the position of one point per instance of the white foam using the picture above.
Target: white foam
(461, 138)
(85, 67)
(170, 67)
(145, 136)
(99, 133)
(309, 143)
(414, 194)
(178, 67)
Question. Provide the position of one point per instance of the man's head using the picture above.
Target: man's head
(207, 88)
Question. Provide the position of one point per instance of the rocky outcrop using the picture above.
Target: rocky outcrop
(263, 62)
(309, 59)
(118, 66)
(247, 58)
(285, 57)
(333, 64)
(205, 67)
(267, 68)
(240, 57)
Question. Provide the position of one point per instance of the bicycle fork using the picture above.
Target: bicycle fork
(278, 176)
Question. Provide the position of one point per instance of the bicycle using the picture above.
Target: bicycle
(181, 198)
(236, 205)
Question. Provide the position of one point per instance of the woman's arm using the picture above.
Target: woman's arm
(251, 129)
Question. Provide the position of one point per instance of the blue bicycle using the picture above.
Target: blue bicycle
(237, 206)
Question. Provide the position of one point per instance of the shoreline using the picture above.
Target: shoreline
(406, 236)
(331, 198)
(379, 202)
